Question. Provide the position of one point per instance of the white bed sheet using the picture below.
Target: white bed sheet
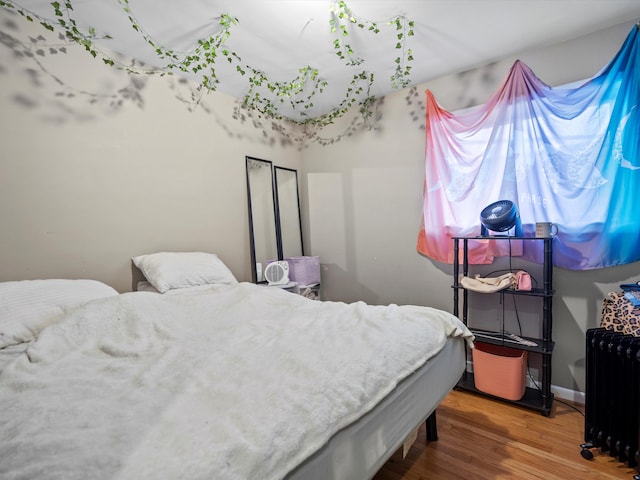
(10, 353)
(204, 384)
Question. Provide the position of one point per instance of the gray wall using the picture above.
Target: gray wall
(365, 201)
(98, 166)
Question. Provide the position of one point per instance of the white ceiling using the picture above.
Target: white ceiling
(281, 36)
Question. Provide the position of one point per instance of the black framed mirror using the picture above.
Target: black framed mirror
(288, 208)
(275, 228)
(262, 215)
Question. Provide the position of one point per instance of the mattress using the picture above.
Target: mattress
(358, 451)
(235, 382)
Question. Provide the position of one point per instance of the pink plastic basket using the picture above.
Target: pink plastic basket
(304, 270)
(499, 370)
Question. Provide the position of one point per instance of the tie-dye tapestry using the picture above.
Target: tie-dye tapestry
(567, 155)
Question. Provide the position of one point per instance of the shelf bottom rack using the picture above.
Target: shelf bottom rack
(533, 398)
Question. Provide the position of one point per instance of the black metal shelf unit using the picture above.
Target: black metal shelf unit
(538, 399)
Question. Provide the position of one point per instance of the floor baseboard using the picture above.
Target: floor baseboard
(570, 395)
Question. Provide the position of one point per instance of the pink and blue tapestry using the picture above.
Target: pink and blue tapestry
(568, 155)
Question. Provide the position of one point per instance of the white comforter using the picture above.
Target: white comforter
(232, 382)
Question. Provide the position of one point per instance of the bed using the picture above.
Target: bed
(213, 378)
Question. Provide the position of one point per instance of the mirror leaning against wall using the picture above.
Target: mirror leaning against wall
(288, 208)
(275, 230)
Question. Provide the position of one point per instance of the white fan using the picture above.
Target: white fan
(277, 273)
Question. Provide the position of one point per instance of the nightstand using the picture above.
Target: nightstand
(309, 291)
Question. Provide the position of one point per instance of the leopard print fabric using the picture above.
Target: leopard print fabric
(619, 315)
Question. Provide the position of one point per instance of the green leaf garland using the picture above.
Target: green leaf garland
(297, 94)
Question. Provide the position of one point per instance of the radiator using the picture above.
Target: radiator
(612, 408)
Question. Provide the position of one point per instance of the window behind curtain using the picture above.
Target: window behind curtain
(567, 155)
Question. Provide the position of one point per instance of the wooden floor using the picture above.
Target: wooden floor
(484, 439)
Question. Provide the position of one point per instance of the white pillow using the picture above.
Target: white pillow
(144, 286)
(28, 306)
(170, 270)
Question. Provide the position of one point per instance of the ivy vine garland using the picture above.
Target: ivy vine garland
(298, 93)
